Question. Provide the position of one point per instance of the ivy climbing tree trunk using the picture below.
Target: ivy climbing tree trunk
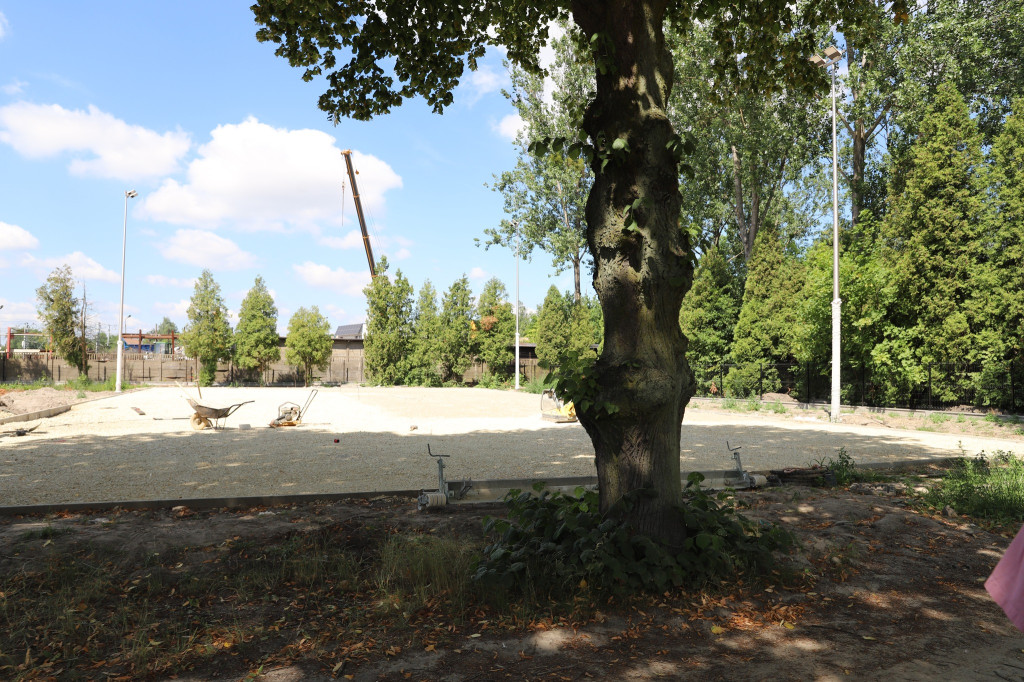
(642, 265)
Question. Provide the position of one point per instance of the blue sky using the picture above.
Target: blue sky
(236, 168)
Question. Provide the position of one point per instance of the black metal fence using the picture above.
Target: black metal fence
(993, 386)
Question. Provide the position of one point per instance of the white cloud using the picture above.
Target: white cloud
(111, 147)
(402, 254)
(16, 313)
(351, 240)
(3, 26)
(206, 250)
(509, 126)
(82, 267)
(484, 81)
(15, 87)
(177, 310)
(257, 177)
(162, 281)
(14, 238)
(340, 281)
(478, 273)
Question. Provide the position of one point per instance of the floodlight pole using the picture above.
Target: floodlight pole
(832, 57)
(517, 306)
(130, 194)
(837, 303)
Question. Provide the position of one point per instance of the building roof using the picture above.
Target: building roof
(349, 331)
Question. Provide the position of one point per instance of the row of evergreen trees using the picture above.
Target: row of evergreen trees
(935, 275)
(433, 344)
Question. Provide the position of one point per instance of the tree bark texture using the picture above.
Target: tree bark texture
(641, 271)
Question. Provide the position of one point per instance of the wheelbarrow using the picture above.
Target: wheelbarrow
(203, 415)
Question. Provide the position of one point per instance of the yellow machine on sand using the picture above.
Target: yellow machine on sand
(553, 409)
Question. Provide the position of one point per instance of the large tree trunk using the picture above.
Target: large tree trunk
(641, 272)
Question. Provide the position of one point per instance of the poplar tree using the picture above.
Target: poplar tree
(207, 336)
(256, 337)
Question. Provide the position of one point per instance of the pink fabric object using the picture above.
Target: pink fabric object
(1006, 584)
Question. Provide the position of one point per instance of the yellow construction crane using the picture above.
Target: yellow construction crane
(359, 211)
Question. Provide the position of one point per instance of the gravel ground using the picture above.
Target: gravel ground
(104, 450)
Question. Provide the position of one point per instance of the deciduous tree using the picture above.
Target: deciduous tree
(62, 314)
(308, 344)
(389, 333)
(642, 260)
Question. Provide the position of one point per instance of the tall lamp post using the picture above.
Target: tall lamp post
(832, 57)
(130, 194)
(517, 306)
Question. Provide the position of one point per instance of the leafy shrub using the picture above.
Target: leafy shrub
(488, 380)
(990, 489)
(843, 467)
(538, 384)
(553, 543)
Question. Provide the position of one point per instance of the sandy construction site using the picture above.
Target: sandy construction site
(140, 445)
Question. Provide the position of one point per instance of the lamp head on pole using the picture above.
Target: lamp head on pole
(131, 194)
(832, 56)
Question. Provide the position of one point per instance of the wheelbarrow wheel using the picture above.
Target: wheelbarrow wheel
(199, 422)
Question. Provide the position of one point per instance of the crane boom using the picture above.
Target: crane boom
(359, 211)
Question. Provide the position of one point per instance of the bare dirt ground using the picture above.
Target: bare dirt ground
(20, 401)
(881, 588)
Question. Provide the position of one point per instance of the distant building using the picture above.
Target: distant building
(350, 332)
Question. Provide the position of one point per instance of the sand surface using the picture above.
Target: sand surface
(104, 450)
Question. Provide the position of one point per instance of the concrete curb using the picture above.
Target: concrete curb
(40, 414)
(54, 411)
(482, 492)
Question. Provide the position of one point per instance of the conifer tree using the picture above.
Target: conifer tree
(934, 236)
(766, 329)
(207, 336)
(426, 326)
(1007, 233)
(388, 343)
(564, 326)
(455, 341)
(256, 337)
(708, 316)
(496, 329)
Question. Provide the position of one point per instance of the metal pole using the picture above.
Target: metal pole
(120, 317)
(517, 306)
(836, 301)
